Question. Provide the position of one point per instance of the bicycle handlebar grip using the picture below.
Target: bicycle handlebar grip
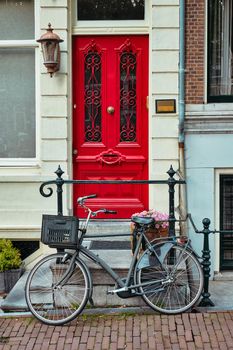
(90, 196)
(80, 199)
(110, 212)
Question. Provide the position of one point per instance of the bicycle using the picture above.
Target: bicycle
(167, 275)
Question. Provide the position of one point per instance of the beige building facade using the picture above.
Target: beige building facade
(52, 111)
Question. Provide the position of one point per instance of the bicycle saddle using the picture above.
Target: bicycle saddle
(142, 220)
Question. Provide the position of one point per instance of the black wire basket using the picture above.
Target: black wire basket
(60, 231)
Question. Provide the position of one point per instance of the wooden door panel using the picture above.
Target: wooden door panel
(111, 72)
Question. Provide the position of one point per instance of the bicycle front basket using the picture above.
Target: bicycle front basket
(60, 231)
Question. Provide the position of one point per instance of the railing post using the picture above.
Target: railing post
(59, 183)
(171, 183)
(206, 264)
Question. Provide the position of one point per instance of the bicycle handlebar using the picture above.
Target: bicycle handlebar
(81, 201)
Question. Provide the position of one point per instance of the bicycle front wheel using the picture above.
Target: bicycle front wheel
(53, 297)
(173, 286)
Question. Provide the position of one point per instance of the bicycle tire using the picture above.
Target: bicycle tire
(55, 304)
(181, 282)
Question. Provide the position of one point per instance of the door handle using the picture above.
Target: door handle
(110, 109)
(75, 152)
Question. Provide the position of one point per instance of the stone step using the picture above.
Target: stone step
(223, 276)
(113, 228)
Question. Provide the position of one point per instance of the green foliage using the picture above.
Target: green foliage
(9, 256)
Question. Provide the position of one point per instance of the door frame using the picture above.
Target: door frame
(217, 253)
(133, 28)
(142, 145)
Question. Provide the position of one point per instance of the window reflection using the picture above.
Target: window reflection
(89, 10)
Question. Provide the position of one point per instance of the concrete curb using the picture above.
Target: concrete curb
(121, 310)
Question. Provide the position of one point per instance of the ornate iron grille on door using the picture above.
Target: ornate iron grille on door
(92, 94)
(128, 60)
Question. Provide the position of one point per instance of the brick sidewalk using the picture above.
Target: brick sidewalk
(212, 330)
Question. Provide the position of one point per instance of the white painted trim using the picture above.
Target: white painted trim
(20, 228)
(70, 109)
(37, 85)
(18, 43)
(217, 217)
(37, 178)
(218, 172)
(110, 31)
(21, 233)
(150, 110)
(19, 162)
(222, 108)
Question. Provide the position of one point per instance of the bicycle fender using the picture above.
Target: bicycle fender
(149, 259)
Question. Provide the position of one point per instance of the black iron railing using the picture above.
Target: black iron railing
(171, 182)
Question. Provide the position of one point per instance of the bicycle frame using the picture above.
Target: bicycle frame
(167, 242)
(125, 284)
(86, 252)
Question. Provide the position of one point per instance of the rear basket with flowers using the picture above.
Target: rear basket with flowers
(158, 229)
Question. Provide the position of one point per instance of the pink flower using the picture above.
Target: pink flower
(159, 217)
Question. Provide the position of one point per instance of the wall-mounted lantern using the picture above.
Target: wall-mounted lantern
(51, 50)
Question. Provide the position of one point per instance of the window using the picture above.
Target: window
(220, 63)
(17, 83)
(89, 10)
(226, 222)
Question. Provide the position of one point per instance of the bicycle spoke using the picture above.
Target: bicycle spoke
(61, 296)
(181, 280)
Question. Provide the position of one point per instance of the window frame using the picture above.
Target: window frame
(225, 263)
(213, 98)
(110, 27)
(28, 162)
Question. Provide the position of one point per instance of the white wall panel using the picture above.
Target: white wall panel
(57, 85)
(166, 17)
(165, 2)
(54, 150)
(56, 16)
(162, 148)
(54, 106)
(53, 3)
(164, 83)
(165, 39)
(163, 126)
(165, 61)
(54, 128)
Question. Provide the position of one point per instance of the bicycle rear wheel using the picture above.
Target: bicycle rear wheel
(173, 286)
(53, 298)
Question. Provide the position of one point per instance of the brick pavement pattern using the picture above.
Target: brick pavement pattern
(213, 330)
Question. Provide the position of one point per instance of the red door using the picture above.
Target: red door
(110, 130)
